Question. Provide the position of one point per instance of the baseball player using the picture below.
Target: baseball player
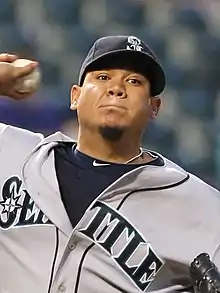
(101, 214)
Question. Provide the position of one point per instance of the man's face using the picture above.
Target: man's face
(114, 98)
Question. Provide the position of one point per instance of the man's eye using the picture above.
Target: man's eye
(103, 77)
(134, 81)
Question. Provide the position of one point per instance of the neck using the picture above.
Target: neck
(94, 145)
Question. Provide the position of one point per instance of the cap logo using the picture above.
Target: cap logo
(134, 44)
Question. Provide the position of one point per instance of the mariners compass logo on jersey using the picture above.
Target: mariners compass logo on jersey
(17, 208)
(108, 229)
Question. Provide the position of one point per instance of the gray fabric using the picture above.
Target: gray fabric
(160, 227)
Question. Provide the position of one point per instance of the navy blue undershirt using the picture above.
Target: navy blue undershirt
(80, 182)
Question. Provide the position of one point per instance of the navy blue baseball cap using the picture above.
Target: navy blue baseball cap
(125, 52)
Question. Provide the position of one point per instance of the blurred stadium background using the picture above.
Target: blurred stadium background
(185, 36)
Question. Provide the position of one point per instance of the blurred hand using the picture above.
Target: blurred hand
(9, 74)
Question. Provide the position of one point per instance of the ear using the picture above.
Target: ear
(155, 104)
(74, 96)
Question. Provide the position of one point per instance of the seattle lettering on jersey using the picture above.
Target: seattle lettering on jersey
(124, 244)
(17, 208)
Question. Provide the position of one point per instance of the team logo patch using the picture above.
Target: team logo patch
(134, 44)
(17, 208)
(126, 246)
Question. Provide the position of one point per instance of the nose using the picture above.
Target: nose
(117, 91)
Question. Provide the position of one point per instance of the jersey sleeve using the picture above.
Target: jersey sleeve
(16, 143)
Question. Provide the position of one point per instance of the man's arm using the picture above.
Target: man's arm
(12, 138)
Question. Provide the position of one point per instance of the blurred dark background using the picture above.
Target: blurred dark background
(185, 36)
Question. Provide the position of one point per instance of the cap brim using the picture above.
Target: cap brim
(136, 60)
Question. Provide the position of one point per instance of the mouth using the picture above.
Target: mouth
(114, 106)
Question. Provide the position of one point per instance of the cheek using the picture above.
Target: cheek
(92, 88)
(88, 102)
(140, 106)
(87, 96)
(141, 112)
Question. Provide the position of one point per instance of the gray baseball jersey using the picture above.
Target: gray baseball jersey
(139, 235)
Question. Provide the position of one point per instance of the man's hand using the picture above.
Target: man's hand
(9, 74)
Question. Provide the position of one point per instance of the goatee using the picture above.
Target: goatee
(111, 133)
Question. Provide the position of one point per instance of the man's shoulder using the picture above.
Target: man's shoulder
(16, 134)
(194, 182)
(57, 137)
(17, 140)
(172, 169)
(12, 137)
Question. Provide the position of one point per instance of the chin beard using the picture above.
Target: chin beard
(111, 133)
